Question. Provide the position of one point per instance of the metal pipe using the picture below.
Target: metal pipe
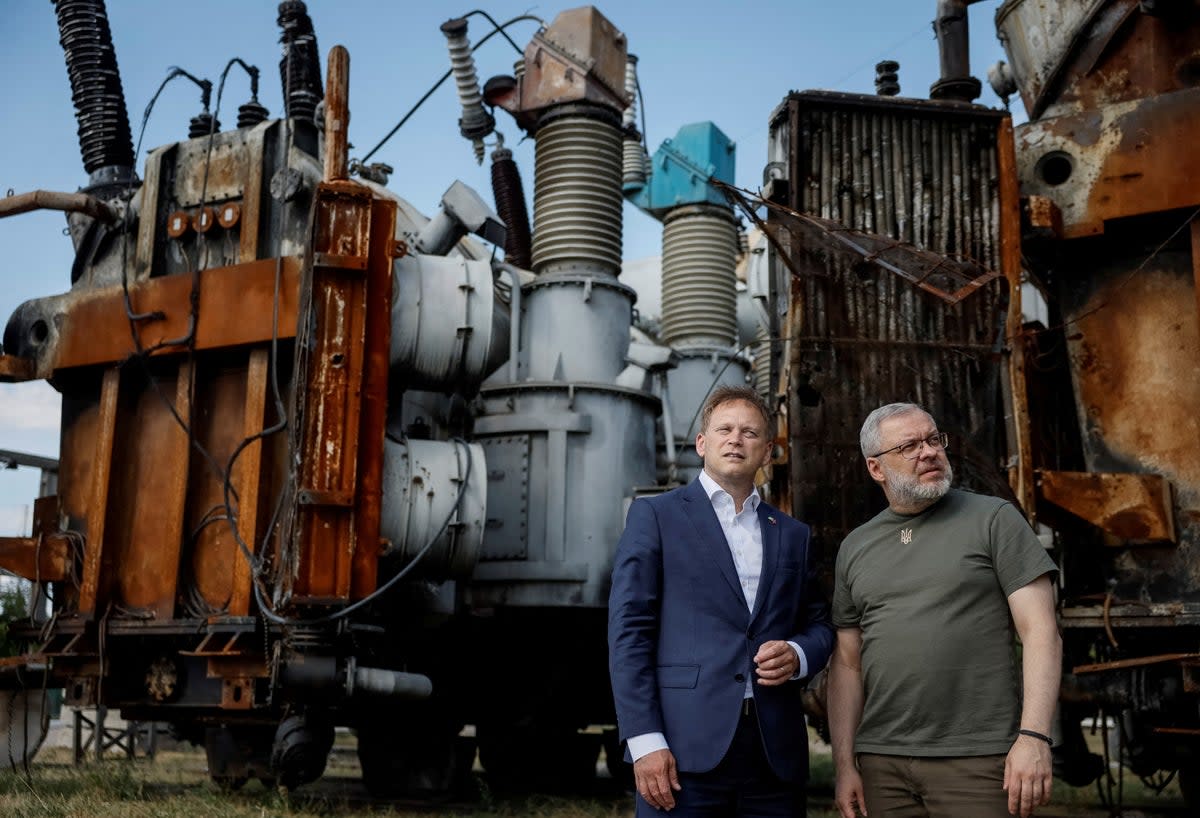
(514, 321)
(950, 27)
(379, 681)
(54, 200)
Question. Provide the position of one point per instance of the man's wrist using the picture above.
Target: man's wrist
(1034, 734)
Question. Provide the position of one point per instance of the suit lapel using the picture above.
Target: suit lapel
(770, 557)
(700, 511)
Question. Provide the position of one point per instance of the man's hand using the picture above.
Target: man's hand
(656, 779)
(1028, 771)
(848, 793)
(776, 662)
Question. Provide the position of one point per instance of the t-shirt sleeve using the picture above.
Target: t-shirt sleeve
(1018, 555)
(845, 613)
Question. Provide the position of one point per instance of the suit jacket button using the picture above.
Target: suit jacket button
(739, 678)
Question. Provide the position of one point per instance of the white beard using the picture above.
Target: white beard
(910, 491)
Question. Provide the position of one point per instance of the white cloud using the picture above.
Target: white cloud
(29, 417)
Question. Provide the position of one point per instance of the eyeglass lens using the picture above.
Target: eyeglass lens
(911, 449)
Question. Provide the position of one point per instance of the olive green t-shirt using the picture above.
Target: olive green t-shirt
(930, 593)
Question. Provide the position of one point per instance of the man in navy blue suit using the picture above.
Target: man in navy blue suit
(715, 621)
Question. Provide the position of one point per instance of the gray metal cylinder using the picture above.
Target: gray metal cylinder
(426, 483)
(700, 371)
(445, 330)
(577, 192)
(699, 288)
(575, 328)
(563, 461)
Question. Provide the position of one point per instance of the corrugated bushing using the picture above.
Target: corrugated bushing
(300, 66)
(699, 287)
(251, 113)
(475, 123)
(762, 363)
(577, 191)
(203, 124)
(104, 135)
(633, 162)
(510, 206)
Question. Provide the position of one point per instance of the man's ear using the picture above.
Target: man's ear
(700, 444)
(875, 469)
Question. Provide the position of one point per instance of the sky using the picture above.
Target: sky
(729, 63)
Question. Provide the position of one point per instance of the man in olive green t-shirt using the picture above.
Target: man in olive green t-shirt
(926, 710)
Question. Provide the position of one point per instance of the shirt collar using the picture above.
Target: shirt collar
(712, 490)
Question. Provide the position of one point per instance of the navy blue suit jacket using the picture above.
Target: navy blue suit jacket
(682, 640)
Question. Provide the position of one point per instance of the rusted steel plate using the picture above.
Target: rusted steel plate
(331, 392)
(1132, 507)
(93, 589)
(1017, 397)
(236, 305)
(1124, 159)
(14, 369)
(248, 476)
(1134, 342)
(373, 420)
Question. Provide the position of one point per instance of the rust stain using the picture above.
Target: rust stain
(1139, 372)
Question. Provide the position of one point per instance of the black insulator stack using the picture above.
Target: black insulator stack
(510, 206)
(203, 124)
(887, 78)
(251, 113)
(104, 135)
(300, 66)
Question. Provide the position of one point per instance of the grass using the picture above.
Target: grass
(176, 785)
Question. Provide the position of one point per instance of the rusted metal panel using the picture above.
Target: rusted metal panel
(44, 559)
(1020, 475)
(147, 484)
(579, 57)
(373, 422)
(93, 589)
(233, 304)
(331, 392)
(248, 476)
(1123, 159)
(1134, 507)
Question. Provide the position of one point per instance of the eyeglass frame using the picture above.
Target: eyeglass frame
(941, 437)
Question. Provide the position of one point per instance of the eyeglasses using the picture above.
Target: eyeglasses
(912, 449)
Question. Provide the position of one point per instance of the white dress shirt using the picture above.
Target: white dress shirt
(743, 534)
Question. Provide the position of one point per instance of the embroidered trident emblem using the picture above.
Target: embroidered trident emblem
(771, 520)
(905, 536)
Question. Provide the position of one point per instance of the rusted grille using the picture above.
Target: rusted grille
(915, 312)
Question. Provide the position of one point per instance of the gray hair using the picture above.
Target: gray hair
(869, 438)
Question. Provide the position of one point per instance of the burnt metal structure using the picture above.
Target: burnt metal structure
(310, 437)
(1088, 422)
(1108, 178)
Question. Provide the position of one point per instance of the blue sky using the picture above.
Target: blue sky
(730, 63)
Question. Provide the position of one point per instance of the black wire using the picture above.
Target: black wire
(498, 30)
(382, 589)
(497, 27)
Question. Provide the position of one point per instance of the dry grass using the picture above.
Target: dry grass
(176, 785)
